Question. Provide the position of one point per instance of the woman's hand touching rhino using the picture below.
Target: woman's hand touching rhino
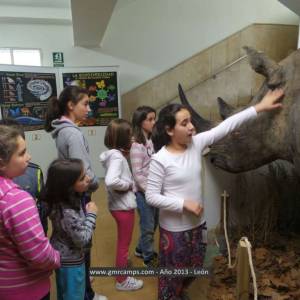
(270, 100)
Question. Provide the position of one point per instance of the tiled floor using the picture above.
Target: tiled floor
(103, 254)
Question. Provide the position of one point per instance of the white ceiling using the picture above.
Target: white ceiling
(38, 3)
(35, 12)
(89, 18)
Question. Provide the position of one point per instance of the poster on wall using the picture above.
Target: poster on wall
(24, 94)
(103, 89)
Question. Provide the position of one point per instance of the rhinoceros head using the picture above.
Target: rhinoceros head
(272, 135)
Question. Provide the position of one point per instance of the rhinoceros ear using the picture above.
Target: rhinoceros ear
(262, 64)
(200, 123)
(224, 108)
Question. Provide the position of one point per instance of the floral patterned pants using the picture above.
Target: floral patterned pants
(184, 249)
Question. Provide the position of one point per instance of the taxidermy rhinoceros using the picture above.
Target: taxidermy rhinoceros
(273, 135)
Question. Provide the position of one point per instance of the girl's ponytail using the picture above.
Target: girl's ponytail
(53, 112)
(158, 136)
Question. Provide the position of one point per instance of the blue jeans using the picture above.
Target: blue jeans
(148, 223)
(70, 282)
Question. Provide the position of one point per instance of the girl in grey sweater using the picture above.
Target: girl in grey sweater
(63, 115)
(72, 229)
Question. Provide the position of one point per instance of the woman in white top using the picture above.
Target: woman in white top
(174, 186)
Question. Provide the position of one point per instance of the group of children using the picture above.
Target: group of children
(135, 177)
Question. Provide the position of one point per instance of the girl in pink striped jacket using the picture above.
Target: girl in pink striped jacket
(26, 257)
(143, 120)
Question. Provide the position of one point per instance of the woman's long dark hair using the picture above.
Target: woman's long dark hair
(140, 115)
(166, 119)
(59, 107)
(61, 177)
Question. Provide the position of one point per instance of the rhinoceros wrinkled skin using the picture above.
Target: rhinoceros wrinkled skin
(272, 135)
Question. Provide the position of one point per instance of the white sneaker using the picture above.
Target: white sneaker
(99, 297)
(129, 284)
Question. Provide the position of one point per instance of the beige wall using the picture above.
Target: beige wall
(206, 75)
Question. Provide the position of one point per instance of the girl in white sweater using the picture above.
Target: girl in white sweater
(121, 199)
(174, 185)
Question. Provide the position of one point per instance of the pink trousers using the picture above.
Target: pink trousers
(125, 223)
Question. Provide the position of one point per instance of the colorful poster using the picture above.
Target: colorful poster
(24, 96)
(103, 91)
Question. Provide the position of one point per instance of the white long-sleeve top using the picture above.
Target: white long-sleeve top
(175, 177)
(118, 179)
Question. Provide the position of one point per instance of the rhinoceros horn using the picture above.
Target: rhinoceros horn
(200, 123)
(224, 108)
(265, 66)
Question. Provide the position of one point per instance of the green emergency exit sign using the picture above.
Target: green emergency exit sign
(58, 59)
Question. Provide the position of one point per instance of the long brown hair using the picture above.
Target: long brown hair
(138, 117)
(59, 190)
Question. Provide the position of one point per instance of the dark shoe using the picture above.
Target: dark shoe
(138, 253)
(152, 263)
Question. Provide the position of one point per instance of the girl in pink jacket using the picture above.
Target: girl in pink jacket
(26, 257)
